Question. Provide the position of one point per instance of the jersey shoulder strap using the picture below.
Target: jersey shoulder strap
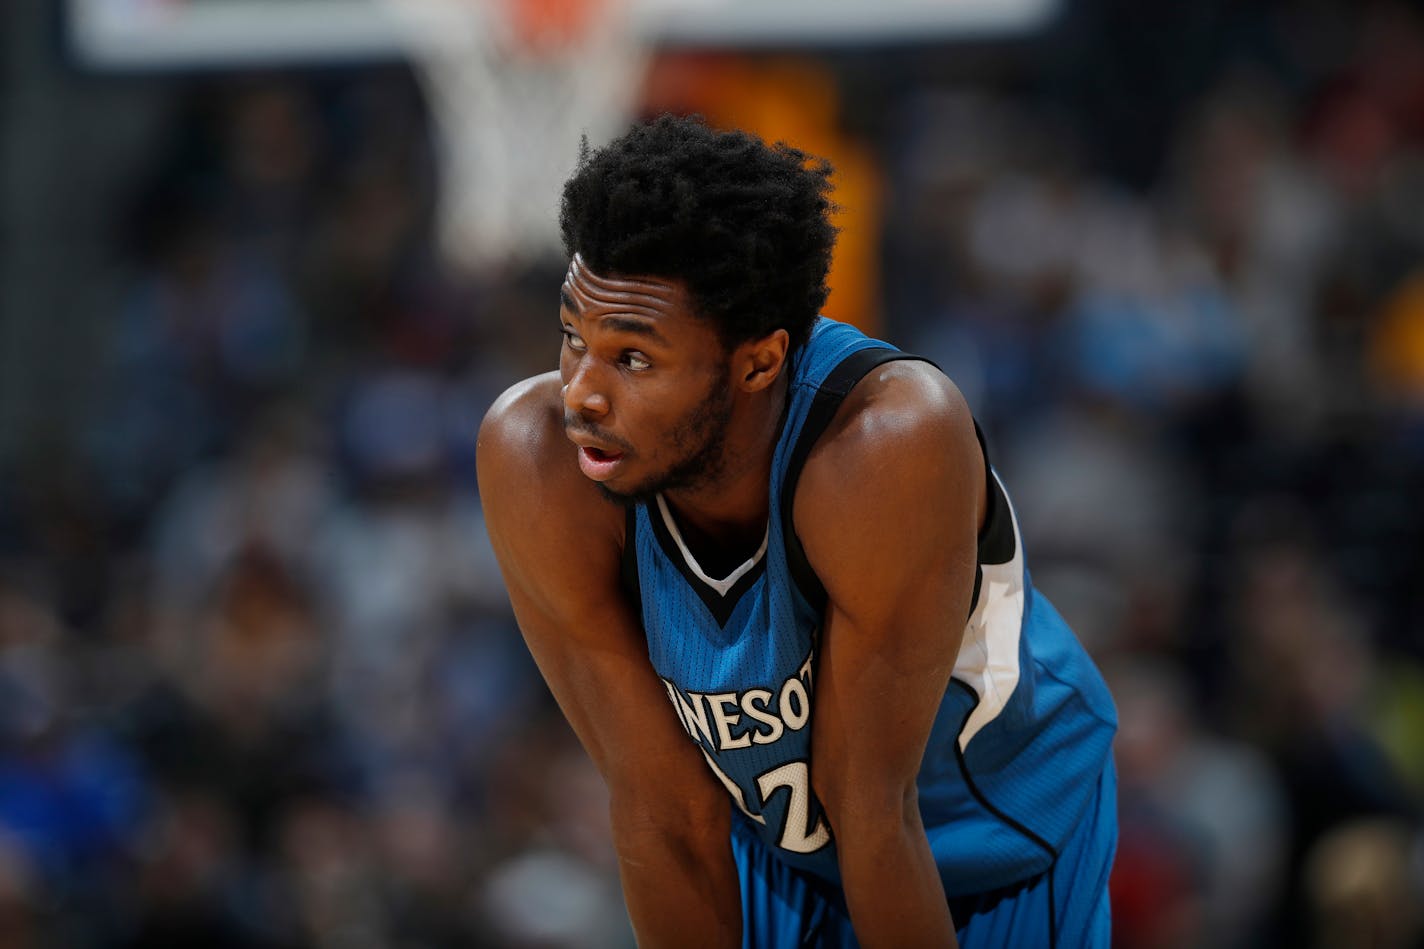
(829, 396)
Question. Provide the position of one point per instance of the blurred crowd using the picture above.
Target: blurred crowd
(259, 683)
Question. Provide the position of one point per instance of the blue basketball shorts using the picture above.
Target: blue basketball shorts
(1065, 907)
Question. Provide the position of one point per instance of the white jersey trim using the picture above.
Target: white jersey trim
(726, 583)
(989, 656)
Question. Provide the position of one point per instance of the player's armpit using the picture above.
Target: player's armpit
(558, 544)
(888, 511)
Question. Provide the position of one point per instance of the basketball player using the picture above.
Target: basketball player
(771, 579)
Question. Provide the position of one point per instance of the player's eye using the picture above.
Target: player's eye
(574, 341)
(636, 362)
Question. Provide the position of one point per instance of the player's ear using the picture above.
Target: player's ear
(759, 361)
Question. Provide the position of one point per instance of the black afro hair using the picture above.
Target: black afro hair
(745, 225)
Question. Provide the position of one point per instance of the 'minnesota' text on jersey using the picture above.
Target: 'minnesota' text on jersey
(1022, 733)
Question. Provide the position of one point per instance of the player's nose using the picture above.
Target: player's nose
(582, 393)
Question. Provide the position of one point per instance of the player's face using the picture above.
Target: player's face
(646, 394)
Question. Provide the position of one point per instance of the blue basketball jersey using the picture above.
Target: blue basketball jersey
(1023, 732)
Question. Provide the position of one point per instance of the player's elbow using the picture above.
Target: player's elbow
(859, 806)
(648, 819)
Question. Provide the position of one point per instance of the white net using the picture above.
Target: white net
(512, 87)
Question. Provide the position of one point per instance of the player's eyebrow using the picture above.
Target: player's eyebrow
(614, 322)
(624, 324)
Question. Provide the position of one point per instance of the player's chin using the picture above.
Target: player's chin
(626, 491)
(621, 498)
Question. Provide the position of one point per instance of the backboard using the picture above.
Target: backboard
(201, 34)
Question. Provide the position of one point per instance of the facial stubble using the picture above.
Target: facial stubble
(699, 443)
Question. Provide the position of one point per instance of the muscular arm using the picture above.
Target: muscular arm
(558, 545)
(900, 471)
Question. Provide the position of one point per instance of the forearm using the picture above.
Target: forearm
(893, 887)
(680, 890)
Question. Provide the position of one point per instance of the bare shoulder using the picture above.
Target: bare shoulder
(902, 412)
(903, 433)
(521, 425)
(535, 498)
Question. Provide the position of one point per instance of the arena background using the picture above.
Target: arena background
(259, 685)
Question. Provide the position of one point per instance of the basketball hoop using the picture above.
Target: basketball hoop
(512, 86)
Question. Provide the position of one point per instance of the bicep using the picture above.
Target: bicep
(910, 493)
(558, 546)
(594, 659)
(593, 656)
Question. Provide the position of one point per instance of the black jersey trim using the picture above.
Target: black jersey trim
(1011, 822)
(997, 542)
(721, 606)
(996, 539)
(829, 396)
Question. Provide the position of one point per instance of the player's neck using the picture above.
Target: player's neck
(731, 510)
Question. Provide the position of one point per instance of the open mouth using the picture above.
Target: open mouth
(598, 464)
